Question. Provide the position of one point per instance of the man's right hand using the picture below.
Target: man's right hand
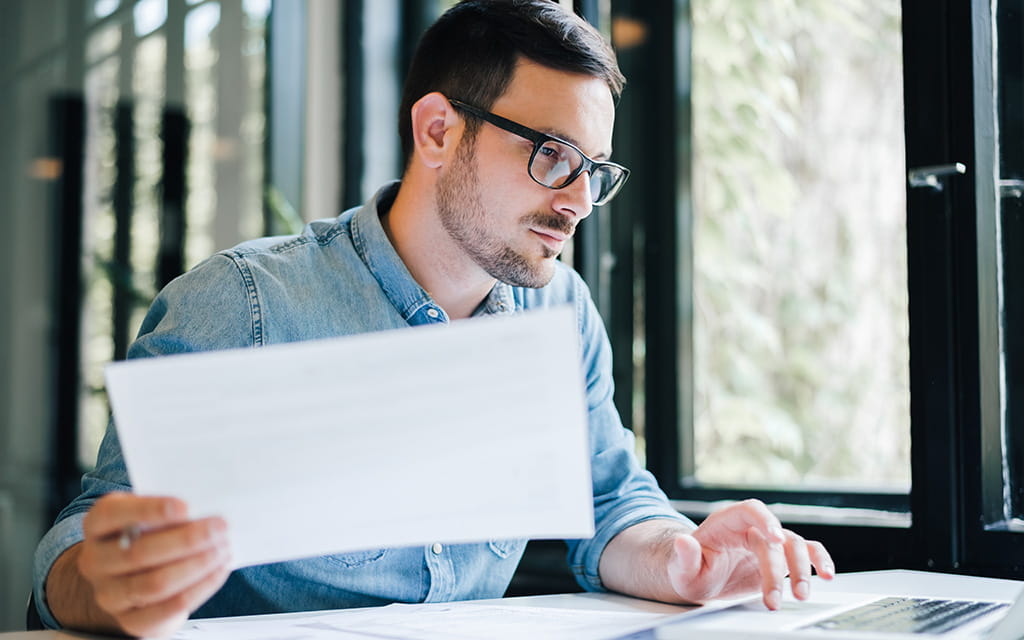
(141, 585)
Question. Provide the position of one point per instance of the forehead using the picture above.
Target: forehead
(572, 106)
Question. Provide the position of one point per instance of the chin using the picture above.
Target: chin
(541, 276)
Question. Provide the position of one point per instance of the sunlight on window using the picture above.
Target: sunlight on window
(149, 16)
(103, 8)
(97, 348)
(256, 9)
(800, 286)
(224, 76)
(201, 101)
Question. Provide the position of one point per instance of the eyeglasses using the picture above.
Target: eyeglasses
(556, 163)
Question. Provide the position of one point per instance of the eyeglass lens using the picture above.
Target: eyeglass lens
(554, 164)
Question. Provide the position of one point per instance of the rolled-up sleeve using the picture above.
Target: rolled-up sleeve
(109, 475)
(207, 308)
(624, 493)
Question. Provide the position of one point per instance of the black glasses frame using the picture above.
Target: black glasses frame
(538, 139)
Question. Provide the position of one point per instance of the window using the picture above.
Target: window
(124, 128)
(789, 261)
(1009, 249)
(799, 319)
(804, 326)
(173, 163)
(994, 480)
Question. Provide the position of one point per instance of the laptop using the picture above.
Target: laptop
(842, 615)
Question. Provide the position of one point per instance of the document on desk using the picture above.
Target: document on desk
(463, 432)
(452, 621)
(506, 619)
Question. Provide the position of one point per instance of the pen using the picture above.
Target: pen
(128, 535)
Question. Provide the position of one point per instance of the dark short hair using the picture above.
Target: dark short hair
(470, 53)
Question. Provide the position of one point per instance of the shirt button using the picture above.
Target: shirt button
(433, 313)
(437, 548)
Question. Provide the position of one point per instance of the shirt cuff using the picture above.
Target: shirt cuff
(57, 540)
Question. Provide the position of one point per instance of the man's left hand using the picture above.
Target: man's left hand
(743, 548)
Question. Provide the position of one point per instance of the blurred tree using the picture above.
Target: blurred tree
(801, 331)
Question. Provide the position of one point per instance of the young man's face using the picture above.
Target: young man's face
(508, 224)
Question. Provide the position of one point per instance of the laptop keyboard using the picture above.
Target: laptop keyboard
(908, 615)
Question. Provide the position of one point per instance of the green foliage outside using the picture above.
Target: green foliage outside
(800, 293)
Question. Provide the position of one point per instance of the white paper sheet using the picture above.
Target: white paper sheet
(448, 433)
(590, 616)
(509, 619)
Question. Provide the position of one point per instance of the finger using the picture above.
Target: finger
(771, 561)
(153, 586)
(799, 563)
(164, 618)
(115, 512)
(741, 516)
(162, 546)
(821, 560)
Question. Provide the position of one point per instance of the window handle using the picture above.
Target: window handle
(929, 176)
(1012, 188)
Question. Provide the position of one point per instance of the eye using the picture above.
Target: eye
(553, 163)
(556, 153)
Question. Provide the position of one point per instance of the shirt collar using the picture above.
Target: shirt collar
(376, 251)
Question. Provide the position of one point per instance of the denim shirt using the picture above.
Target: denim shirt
(339, 277)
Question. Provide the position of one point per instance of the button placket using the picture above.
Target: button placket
(442, 573)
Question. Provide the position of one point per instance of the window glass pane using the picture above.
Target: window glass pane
(224, 96)
(201, 101)
(149, 16)
(103, 8)
(1010, 220)
(257, 10)
(127, 104)
(800, 288)
(148, 88)
(253, 120)
(102, 43)
(98, 227)
(381, 47)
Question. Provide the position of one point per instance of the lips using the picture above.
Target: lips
(554, 241)
(557, 236)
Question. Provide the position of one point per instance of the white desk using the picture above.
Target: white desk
(724, 623)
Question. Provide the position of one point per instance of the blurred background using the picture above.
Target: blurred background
(755, 275)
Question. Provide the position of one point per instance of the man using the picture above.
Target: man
(506, 123)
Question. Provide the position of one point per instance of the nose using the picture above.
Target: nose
(575, 199)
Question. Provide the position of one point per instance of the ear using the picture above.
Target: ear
(436, 129)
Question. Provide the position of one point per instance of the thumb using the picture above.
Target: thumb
(684, 564)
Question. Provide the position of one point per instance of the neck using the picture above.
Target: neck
(433, 258)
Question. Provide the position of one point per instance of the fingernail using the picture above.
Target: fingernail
(801, 589)
(216, 529)
(778, 534)
(773, 600)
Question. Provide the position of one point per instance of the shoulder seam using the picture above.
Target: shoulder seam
(252, 295)
(297, 241)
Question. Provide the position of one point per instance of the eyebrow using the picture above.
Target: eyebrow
(600, 157)
(553, 133)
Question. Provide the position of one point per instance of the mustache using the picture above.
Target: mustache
(551, 221)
